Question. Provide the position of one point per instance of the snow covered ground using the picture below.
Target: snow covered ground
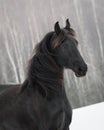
(88, 118)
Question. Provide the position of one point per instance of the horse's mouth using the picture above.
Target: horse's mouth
(81, 74)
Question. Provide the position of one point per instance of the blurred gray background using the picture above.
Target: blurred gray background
(23, 23)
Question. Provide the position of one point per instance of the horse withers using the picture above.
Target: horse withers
(40, 103)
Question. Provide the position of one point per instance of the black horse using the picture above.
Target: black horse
(40, 103)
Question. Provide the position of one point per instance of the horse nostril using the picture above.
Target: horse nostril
(81, 69)
(78, 69)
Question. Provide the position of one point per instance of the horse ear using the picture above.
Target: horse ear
(67, 24)
(57, 28)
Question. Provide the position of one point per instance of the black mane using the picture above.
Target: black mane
(43, 70)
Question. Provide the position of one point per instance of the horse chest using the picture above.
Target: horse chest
(53, 114)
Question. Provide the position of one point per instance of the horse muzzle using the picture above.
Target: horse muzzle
(80, 70)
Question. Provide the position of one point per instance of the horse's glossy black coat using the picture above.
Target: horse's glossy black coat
(40, 103)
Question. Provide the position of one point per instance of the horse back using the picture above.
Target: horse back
(8, 97)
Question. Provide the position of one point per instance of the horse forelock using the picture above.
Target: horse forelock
(72, 32)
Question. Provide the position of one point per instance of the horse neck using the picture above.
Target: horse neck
(45, 72)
